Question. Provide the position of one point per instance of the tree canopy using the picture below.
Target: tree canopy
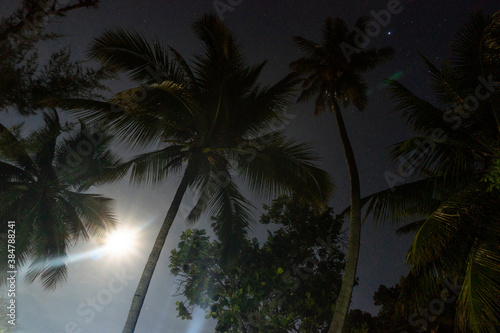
(449, 178)
(41, 179)
(25, 79)
(284, 284)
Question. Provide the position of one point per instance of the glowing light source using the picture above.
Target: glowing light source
(121, 242)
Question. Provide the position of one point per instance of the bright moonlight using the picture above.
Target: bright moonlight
(121, 242)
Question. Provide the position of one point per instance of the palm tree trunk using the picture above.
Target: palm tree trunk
(344, 299)
(147, 274)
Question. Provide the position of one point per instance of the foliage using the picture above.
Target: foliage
(492, 176)
(40, 179)
(390, 319)
(456, 213)
(283, 285)
(358, 321)
(25, 81)
(330, 76)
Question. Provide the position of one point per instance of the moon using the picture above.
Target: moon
(121, 242)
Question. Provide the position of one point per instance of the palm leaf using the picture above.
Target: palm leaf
(270, 162)
(480, 295)
(95, 212)
(14, 151)
(128, 51)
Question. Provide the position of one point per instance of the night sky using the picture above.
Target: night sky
(264, 28)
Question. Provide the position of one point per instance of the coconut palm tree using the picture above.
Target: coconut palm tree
(333, 77)
(212, 121)
(452, 191)
(41, 179)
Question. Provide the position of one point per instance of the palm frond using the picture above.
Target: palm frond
(417, 198)
(14, 151)
(193, 81)
(128, 51)
(467, 46)
(410, 228)
(154, 167)
(307, 46)
(89, 111)
(141, 116)
(43, 144)
(72, 221)
(232, 217)
(420, 114)
(370, 59)
(424, 156)
(480, 295)
(95, 212)
(11, 173)
(52, 271)
(335, 31)
(262, 110)
(220, 196)
(272, 164)
(165, 113)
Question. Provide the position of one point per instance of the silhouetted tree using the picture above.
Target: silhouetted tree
(25, 79)
(214, 123)
(333, 78)
(452, 164)
(41, 179)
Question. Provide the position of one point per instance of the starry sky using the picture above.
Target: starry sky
(264, 29)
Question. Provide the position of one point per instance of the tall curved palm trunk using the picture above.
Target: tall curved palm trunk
(351, 265)
(147, 274)
(331, 77)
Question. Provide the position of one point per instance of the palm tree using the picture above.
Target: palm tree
(41, 193)
(452, 196)
(333, 79)
(212, 121)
